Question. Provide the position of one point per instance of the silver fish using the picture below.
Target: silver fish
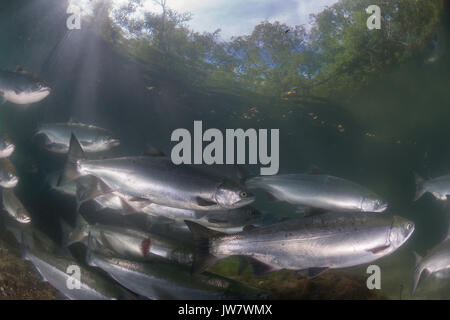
(319, 191)
(14, 207)
(228, 221)
(177, 231)
(315, 244)
(56, 271)
(6, 146)
(437, 260)
(232, 221)
(439, 187)
(32, 235)
(160, 280)
(130, 243)
(8, 174)
(20, 87)
(157, 180)
(55, 137)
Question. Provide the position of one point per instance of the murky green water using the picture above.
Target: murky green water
(377, 135)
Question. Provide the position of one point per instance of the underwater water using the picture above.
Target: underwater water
(376, 128)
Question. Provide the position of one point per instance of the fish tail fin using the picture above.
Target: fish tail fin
(417, 272)
(70, 172)
(80, 232)
(89, 189)
(89, 254)
(25, 244)
(80, 195)
(202, 257)
(420, 190)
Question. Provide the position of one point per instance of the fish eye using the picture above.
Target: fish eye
(243, 194)
(408, 226)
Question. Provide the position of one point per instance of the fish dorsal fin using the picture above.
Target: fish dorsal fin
(19, 69)
(154, 152)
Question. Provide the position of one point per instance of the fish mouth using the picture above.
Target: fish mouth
(45, 89)
(27, 96)
(114, 142)
(12, 183)
(43, 92)
(382, 208)
(25, 220)
(8, 150)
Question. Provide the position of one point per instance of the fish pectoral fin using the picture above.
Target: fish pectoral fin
(139, 202)
(309, 212)
(272, 198)
(164, 220)
(136, 199)
(249, 227)
(315, 272)
(200, 214)
(154, 152)
(215, 220)
(106, 244)
(126, 207)
(205, 202)
(380, 249)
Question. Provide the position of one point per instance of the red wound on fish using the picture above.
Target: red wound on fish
(145, 247)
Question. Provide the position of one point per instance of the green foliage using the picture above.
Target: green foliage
(336, 57)
(351, 55)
